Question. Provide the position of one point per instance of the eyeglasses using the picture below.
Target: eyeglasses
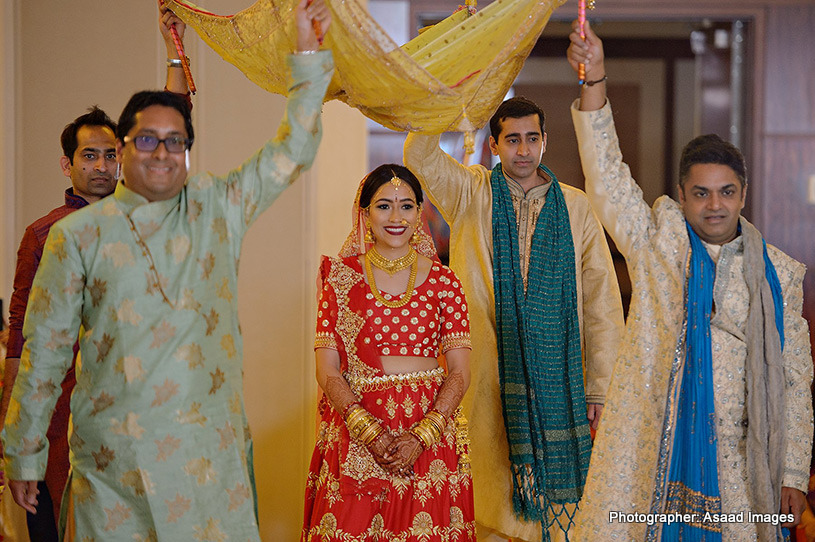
(148, 143)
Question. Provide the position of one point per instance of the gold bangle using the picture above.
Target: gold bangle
(356, 428)
(433, 425)
(353, 413)
(349, 408)
(438, 416)
(370, 434)
(425, 432)
(363, 426)
(424, 440)
(429, 439)
(437, 419)
(355, 421)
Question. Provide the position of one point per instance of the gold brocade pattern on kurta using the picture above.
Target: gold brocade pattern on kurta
(527, 206)
(464, 64)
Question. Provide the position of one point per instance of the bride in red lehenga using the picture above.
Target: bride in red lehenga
(390, 463)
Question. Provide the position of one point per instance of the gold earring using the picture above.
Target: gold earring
(416, 237)
(369, 234)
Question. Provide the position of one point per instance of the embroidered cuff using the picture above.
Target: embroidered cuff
(456, 340)
(325, 340)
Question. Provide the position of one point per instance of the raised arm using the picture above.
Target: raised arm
(448, 183)
(589, 52)
(176, 81)
(612, 191)
(254, 186)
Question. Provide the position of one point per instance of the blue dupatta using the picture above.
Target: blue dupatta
(692, 486)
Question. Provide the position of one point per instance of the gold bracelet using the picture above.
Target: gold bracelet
(357, 426)
(357, 429)
(356, 422)
(355, 418)
(434, 431)
(353, 410)
(427, 432)
(363, 426)
(437, 418)
(350, 407)
(430, 436)
(435, 414)
(370, 434)
(424, 439)
(436, 427)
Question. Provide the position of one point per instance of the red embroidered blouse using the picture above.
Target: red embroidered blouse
(434, 320)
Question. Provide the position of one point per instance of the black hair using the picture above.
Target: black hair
(94, 117)
(711, 149)
(384, 174)
(144, 99)
(515, 108)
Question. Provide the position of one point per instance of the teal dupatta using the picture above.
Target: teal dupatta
(539, 357)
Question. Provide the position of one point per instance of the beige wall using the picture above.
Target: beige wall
(7, 147)
(83, 52)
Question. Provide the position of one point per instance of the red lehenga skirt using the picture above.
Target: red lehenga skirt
(349, 498)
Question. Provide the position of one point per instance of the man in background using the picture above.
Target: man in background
(545, 314)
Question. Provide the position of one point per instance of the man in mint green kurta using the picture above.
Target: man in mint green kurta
(160, 448)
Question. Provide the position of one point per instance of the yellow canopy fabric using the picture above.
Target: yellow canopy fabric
(451, 77)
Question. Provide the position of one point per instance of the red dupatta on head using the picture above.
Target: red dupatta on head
(355, 244)
(358, 357)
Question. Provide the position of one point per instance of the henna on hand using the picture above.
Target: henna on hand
(450, 394)
(405, 449)
(379, 450)
(339, 393)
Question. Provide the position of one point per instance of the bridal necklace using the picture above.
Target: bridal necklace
(411, 260)
(391, 266)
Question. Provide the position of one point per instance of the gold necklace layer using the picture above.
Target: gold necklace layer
(405, 297)
(391, 266)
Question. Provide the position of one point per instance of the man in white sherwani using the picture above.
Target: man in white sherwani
(707, 429)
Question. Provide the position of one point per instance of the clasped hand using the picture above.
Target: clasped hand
(396, 455)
